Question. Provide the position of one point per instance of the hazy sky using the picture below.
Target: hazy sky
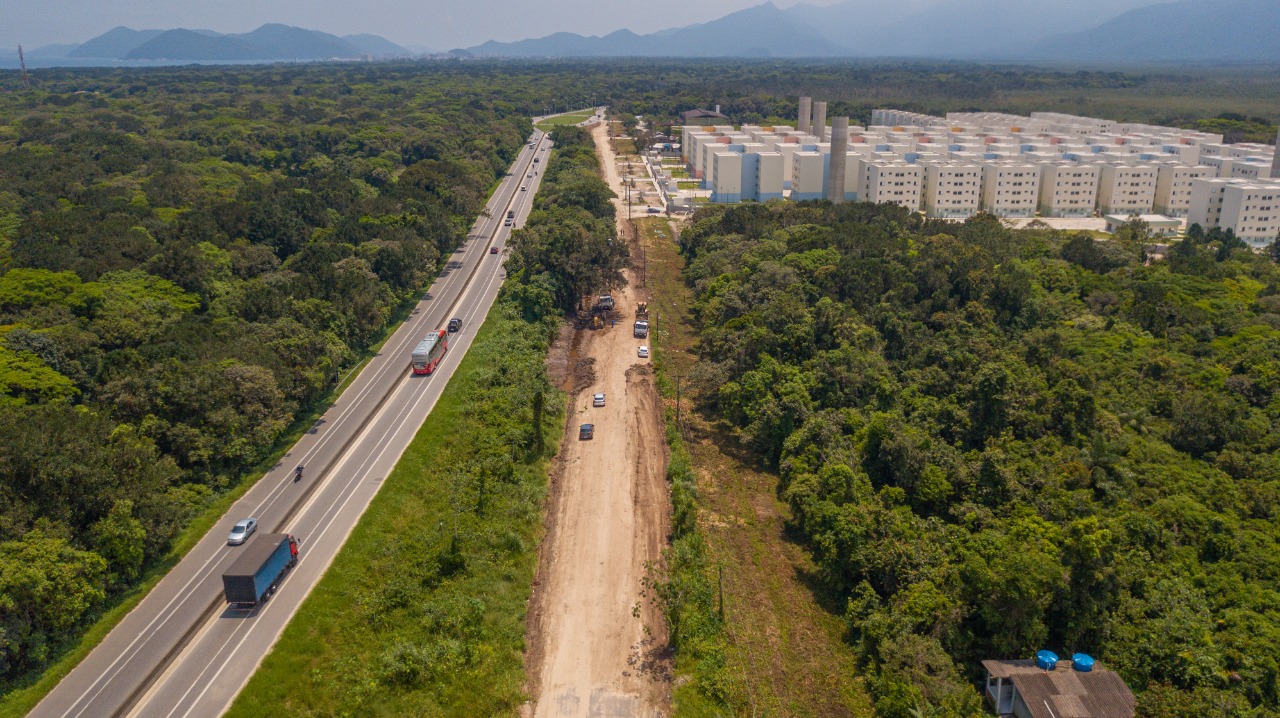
(439, 24)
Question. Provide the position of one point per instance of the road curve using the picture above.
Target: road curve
(179, 653)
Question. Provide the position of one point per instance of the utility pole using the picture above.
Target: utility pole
(22, 62)
(678, 378)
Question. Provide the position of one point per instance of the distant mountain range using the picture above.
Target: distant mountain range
(267, 43)
(760, 31)
(1082, 31)
(1221, 31)
(1120, 31)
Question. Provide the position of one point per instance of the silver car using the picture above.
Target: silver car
(241, 532)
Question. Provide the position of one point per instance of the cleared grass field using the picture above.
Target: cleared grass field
(571, 118)
(422, 612)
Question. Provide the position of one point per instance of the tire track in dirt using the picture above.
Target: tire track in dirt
(595, 646)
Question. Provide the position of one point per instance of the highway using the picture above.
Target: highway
(181, 653)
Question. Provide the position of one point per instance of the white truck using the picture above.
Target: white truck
(641, 330)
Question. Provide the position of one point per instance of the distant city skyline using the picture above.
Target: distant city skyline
(437, 24)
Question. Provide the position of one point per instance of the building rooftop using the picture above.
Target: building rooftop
(701, 115)
(1066, 693)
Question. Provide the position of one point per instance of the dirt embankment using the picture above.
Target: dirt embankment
(596, 648)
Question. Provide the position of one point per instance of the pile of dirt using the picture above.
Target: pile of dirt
(584, 373)
(558, 355)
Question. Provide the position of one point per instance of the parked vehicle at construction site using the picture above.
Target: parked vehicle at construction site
(641, 328)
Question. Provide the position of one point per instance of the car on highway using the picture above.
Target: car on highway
(643, 352)
(455, 324)
(507, 223)
(524, 188)
(241, 532)
(493, 250)
(597, 400)
(586, 431)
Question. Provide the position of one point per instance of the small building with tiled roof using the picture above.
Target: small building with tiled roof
(1069, 689)
(702, 117)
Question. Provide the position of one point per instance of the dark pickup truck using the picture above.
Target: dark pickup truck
(253, 577)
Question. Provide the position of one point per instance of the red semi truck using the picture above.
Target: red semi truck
(426, 356)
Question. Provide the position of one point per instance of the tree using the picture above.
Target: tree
(47, 588)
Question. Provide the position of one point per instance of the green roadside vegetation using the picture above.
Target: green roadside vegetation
(995, 441)
(683, 586)
(422, 612)
(782, 648)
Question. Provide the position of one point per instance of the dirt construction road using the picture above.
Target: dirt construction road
(597, 648)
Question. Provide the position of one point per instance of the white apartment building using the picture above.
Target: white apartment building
(1250, 167)
(902, 118)
(1249, 208)
(1068, 189)
(1126, 189)
(1173, 187)
(951, 189)
(1253, 210)
(727, 170)
(896, 182)
(1052, 164)
(1010, 190)
(769, 176)
(1205, 207)
(808, 175)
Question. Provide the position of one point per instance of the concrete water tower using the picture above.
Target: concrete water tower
(1275, 158)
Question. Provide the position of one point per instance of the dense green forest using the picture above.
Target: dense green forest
(189, 259)
(423, 611)
(997, 441)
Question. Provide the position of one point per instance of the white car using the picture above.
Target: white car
(241, 532)
(597, 400)
(644, 352)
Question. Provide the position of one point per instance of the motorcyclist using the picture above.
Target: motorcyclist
(297, 473)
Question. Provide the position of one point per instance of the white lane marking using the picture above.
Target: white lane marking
(488, 295)
(202, 573)
(330, 515)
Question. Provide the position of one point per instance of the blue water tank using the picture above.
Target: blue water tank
(1082, 662)
(1046, 660)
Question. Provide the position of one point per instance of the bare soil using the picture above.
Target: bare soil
(596, 647)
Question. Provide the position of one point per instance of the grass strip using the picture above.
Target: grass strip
(571, 118)
(685, 585)
(422, 612)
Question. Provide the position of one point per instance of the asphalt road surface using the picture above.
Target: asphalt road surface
(181, 653)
